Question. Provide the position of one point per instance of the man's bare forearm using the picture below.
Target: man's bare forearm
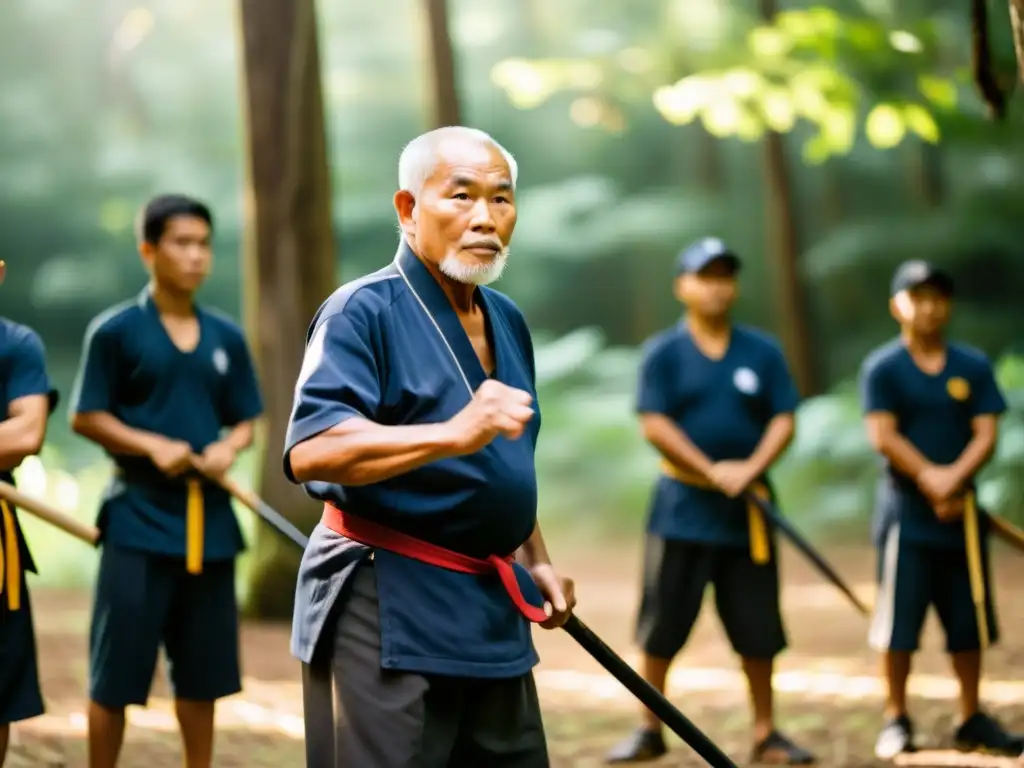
(359, 452)
(902, 455)
(241, 436)
(112, 434)
(978, 451)
(23, 432)
(672, 443)
(774, 441)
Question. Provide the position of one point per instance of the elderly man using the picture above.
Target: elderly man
(415, 422)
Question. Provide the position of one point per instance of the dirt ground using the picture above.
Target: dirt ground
(829, 694)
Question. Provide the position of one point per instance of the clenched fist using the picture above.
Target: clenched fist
(496, 409)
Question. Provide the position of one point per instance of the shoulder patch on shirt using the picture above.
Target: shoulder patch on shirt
(745, 380)
(958, 388)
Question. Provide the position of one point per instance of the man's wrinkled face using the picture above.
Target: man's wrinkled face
(464, 216)
(712, 291)
(924, 309)
(183, 257)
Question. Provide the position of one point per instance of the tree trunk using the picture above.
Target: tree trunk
(289, 266)
(926, 175)
(442, 66)
(784, 254)
(985, 78)
(1017, 23)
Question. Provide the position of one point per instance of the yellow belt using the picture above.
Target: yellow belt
(10, 561)
(194, 524)
(194, 527)
(760, 551)
(972, 540)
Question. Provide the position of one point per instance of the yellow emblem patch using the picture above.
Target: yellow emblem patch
(958, 388)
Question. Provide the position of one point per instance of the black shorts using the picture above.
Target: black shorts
(145, 601)
(746, 595)
(20, 697)
(391, 719)
(911, 578)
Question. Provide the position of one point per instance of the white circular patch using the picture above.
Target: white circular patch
(220, 361)
(746, 381)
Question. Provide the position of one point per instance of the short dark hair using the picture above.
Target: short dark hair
(153, 218)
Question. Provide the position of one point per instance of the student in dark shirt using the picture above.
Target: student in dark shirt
(25, 402)
(717, 401)
(167, 388)
(932, 410)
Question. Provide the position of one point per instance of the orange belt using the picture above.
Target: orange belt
(760, 551)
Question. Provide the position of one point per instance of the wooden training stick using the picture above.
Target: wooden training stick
(90, 534)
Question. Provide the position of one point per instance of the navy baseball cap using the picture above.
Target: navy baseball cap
(916, 273)
(699, 255)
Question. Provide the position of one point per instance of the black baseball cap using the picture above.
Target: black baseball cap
(696, 257)
(916, 273)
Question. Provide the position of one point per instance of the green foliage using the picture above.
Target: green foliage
(830, 70)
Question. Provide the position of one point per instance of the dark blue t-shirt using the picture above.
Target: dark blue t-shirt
(723, 407)
(132, 370)
(934, 413)
(389, 348)
(22, 374)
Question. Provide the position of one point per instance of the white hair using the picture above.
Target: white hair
(419, 157)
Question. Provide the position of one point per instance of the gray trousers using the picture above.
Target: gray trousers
(359, 715)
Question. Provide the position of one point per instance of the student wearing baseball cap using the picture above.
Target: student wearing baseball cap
(717, 401)
(932, 408)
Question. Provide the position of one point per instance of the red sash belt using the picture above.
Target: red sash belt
(380, 537)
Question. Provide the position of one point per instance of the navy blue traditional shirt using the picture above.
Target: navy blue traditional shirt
(390, 348)
(934, 412)
(22, 374)
(724, 407)
(132, 370)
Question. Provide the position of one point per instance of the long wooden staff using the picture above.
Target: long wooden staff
(90, 534)
(580, 632)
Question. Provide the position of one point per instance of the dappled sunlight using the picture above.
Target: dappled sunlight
(132, 30)
(934, 758)
(281, 717)
(598, 690)
(31, 476)
(529, 84)
(905, 42)
(826, 596)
